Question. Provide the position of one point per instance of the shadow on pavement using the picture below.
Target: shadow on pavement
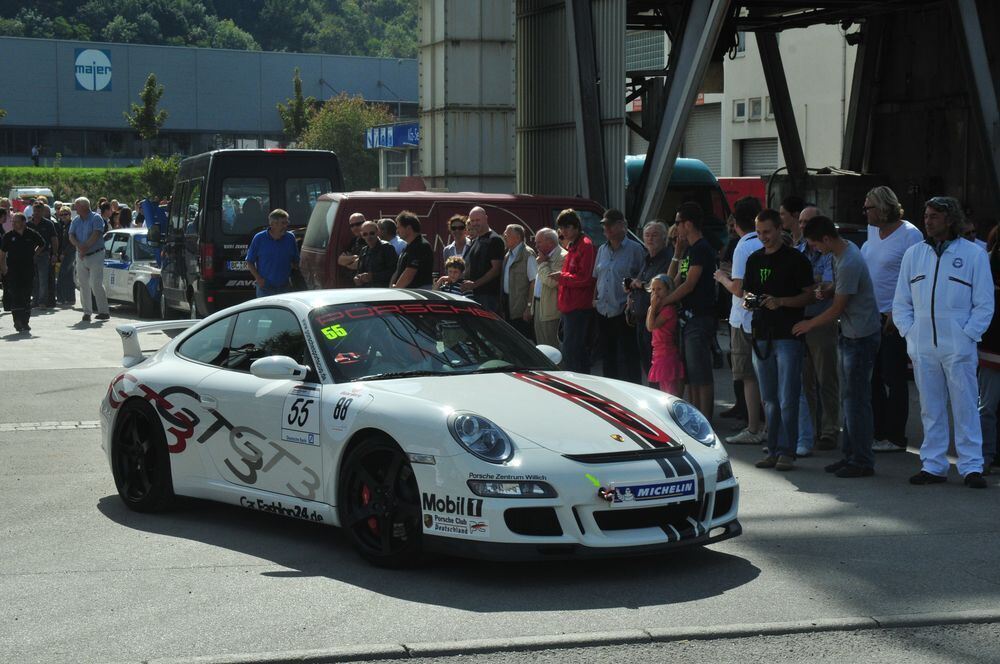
(311, 550)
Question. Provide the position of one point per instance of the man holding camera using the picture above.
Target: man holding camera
(777, 286)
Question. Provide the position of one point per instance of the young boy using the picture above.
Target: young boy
(451, 282)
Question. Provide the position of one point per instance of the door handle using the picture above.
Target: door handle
(208, 401)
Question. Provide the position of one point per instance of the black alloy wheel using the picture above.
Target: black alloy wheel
(379, 504)
(140, 461)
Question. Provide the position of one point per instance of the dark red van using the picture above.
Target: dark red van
(328, 234)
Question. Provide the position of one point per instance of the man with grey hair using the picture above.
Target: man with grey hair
(519, 271)
(387, 233)
(656, 261)
(889, 237)
(85, 233)
(545, 307)
(943, 304)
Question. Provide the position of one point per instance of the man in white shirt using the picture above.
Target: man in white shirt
(889, 236)
(744, 213)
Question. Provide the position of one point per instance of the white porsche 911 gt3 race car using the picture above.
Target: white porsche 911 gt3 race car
(416, 421)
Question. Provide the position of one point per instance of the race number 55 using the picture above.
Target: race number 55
(298, 413)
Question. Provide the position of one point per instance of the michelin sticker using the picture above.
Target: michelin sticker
(300, 416)
(653, 491)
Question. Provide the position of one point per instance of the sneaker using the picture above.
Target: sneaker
(803, 452)
(850, 470)
(975, 481)
(834, 467)
(103, 316)
(85, 319)
(785, 463)
(767, 462)
(825, 444)
(886, 446)
(923, 477)
(747, 437)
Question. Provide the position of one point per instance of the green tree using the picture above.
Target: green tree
(3, 114)
(340, 125)
(157, 176)
(228, 35)
(145, 119)
(295, 114)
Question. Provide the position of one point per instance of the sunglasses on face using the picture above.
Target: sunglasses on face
(458, 228)
(368, 234)
(355, 225)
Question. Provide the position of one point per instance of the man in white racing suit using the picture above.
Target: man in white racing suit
(942, 306)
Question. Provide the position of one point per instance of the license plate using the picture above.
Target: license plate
(236, 266)
(654, 490)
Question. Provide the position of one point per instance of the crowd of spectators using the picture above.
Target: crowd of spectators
(820, 330)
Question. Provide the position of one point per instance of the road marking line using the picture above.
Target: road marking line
(49, 426)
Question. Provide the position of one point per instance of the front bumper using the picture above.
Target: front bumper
(578, 522)
(499, 551)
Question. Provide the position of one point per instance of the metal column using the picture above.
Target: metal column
(701, 33)
(970, 32)
(584, 79)
(781, 103)
(857, 133)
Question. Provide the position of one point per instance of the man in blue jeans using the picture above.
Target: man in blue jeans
(272, 254)
(860, 335)
(777, 285)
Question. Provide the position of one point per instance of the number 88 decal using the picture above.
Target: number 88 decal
(340, 410)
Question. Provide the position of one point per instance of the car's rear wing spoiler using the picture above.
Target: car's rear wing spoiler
(131, 350)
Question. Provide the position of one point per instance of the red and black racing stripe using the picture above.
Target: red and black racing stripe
(633, 425)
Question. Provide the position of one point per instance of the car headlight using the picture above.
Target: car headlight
(692, 422)
(481, 437)
(498, 489)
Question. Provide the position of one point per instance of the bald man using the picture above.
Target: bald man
(819, 406)
(484, 262)
(349, 258)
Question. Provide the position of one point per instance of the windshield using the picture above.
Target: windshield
(396, 339)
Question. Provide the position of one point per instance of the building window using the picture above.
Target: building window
(756, 110)
(739, 110)
(768, 110)
(645, 49)
(740, 50)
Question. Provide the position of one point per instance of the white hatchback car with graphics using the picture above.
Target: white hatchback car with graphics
(417, 422)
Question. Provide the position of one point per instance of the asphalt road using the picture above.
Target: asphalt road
(85, 580)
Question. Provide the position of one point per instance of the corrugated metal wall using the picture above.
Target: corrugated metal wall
(467, 95)
(546, 135)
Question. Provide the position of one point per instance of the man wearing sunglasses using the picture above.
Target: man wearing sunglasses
(349, 258)
(459, 244)
(377, 261)
(942, 307)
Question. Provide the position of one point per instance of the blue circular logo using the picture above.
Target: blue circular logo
(93, 70)
(958, 262)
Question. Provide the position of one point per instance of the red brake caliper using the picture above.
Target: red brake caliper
(366, 497)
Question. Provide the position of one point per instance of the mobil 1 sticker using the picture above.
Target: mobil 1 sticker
(300, 416)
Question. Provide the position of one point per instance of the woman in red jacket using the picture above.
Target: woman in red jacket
(575, 296)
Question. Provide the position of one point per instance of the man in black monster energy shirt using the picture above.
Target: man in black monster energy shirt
(778, 285)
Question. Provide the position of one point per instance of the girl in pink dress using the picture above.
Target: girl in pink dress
(667, 368)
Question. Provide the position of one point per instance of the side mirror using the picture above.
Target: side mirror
(280, 367)
(552, 353)
(123, 253)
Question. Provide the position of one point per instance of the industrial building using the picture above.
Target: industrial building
(69, 97)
